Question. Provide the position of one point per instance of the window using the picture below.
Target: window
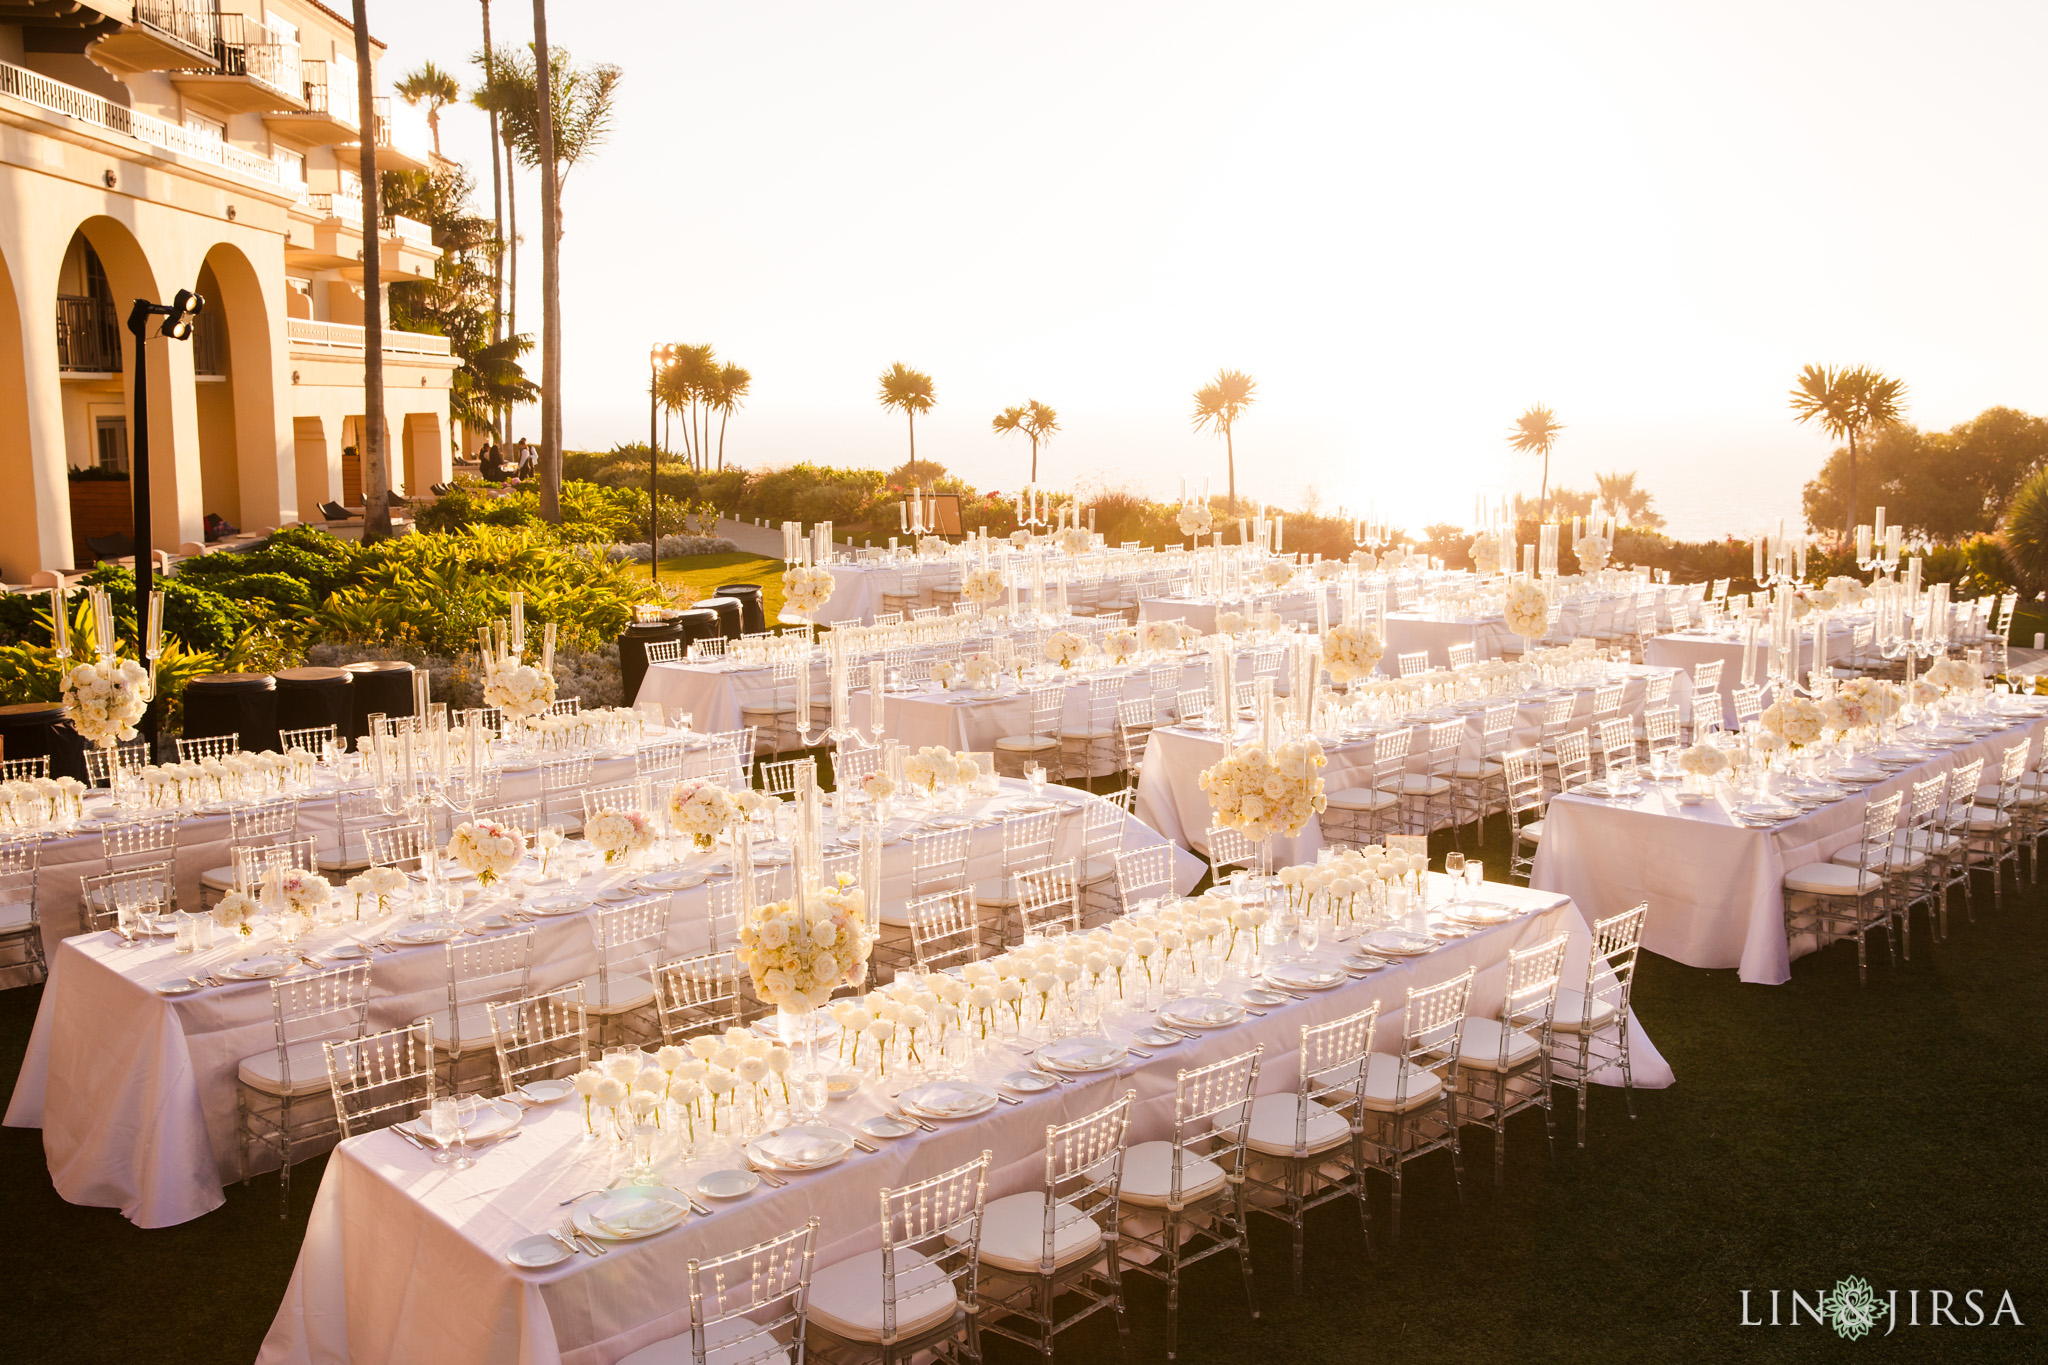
(112, 435)
(202, 131)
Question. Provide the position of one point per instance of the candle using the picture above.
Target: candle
(1749, 655)
(154, 640)
(1799, 548)
(1756, 555)
(421, 683)
(1276, 535)
(903, 515)
(518, 624)
(877, 712)
(547, 651)
(60, 623)
(1880, 523)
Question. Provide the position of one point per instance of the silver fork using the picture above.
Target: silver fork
(773, 1179)
(575, 1248)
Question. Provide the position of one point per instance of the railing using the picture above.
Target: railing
(88, 335)
(32, 87)
(409, 230)
(247, 47)
(345, 336)
(182, 21)
(347, 207)
(336, 101)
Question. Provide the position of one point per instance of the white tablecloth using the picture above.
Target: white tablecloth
(404, 1260)
(1409, 631)
(1690, 648)
(135, 1091)
(1715, 888)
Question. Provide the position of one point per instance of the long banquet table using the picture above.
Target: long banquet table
(1715, 887)
(404, 1259)
(135, 1091)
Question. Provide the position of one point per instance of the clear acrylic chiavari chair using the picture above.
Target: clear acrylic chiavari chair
(100, 764)
(664, 652)
(1041, 1246)
(562, 781)
(699, 994)
(1193, 1180)
(1504, 1063)
(747, 1307)
(1408, 1098)
(1144, 874)
(145, 839)
(1228, 848)
(1837, 900)
(282, 1094)
(1993, 837)
(21, 926)
(630, 938)
(211, 746)
(1590, 1027)
(1028, 842)
(543, 1037)
(481, 972)
(945, 930)
(128, 899)
(380, 1079)
(1366, 813)
(396, 845)
(1914, 874)
(1048, 899)
(24, 769)
(1526, 804)
(919, 1290)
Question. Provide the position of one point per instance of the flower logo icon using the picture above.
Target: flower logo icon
(1853, 1308)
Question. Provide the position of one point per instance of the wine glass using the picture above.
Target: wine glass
(1209, 964)
(1454, 868)
(443, 1124)
(1088, 1004)
(467, 1107)
(1310, 933)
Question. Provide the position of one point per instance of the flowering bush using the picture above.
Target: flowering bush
(1194, 520)
(487, 848)
(616, 833)
(1795, 720)
(805, 589)
(1527, 609)
(795, 959)
(107, 699)
(1065, 648)
(1351, 651)
(1263, 794)
(983, 586)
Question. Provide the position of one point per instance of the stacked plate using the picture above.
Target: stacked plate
(426, 931)
(1304, 976)
(494, 1118)
(947, 1100)
(1081, 1054)
(800, 1147)
(631, 1212)
(562, 903)
(673, 879)
(1399, 943)
(1478, 912)
(258, 968)
(1196, 1011)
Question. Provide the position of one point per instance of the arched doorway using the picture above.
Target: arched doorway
(20, 548)
(245, 455)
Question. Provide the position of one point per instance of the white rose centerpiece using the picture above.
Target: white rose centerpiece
(107, 699)
(796, 960)
(1527, 609)
(1351, 651)
(983, 586)
(701, 809)
(618, 833)
(1592, 552)
(1065, 648)
(520, 691)
(806, 589)
(1795, 720)
(1264, 794)
(1195, 520)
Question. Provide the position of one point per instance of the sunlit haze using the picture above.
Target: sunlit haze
(1408, 222)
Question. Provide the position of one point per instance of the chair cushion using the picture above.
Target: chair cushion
(218, 879)
(1479, 1043)
(1000, 892)
(1832, 879)
(846, 1298)
(1095, 870)
(1027, 744)
(776, 711)
(475, 1019)
(1569, 1014)
(15, 919)
(1148, 1175)
(735, 1341)
(1904, 858)
(1471, 769)
(1982, 819)
(1416, 784)
(1531, 833)
(1275, 1124)
(627, 993)
(1361, 798)
(1382, 1072)
(1013, 1233)
(1087, 736)
(308, 1066)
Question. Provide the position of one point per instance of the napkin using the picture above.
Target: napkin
(635, 1214)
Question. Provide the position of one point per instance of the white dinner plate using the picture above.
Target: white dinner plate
(1080, 1054)
(800, 1147)
(537, 1253)
(498, 921)
(1479, 912)
(675, 879)
(1258, 996)
(546, 1092)
(348, 952)
(1033, 807)
(1157, 1037)
(1304, 976)
(496, 1118)
(428, 931)
(1197, 1011)
(948, 1100)
(1399, 943)
(886, 1126)
(184, 985)
(1028, 1082)
(566, 903)
(1365, 962)
(259, 968)
(728, 1184)
(631, 1212)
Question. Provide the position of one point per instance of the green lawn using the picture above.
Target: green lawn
(1818, 1130)
(706, 572)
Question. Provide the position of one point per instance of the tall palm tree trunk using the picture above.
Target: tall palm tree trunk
(511, 255)
(550, 271)
(497, 223)
(723, 417)
(913, 448)
(1849, 507)
(376, 466)
(1034, 459)
(1230, 459)
(1544, 496)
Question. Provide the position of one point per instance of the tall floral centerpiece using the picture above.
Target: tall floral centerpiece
(108, 696)
(521, 691)
(806, 589)
(1351, 651)
(1269, 787)
(1195, 521)
(1527, 611)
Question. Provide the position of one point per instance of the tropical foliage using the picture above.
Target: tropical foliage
(1943, 485)
(909, 392)
(1218, 405)
(1535, 433)
(1847, 404)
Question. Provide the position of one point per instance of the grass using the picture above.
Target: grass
(706, 572)
(1817, 1130)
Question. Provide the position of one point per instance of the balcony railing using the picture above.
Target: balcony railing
(88, 335)
(409, 230)
(247, 47)
(345, 336)
(183, 21)
(347, 207)
(338, 102)
(32, 87)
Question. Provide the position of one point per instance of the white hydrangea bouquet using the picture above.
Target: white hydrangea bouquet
(1880, 699)
(237, 911)
(701, 809)
(1795, 720)
(797, 959)
(1120, 642)
(1592, 552)
(619, 833)
(1352, 651)
(487, 848)
(1163, 637)
(935, 766)
(983, 586)
(979, 671)
(1954, 675)
(1275, 573)
(1065, 648)
(806, 589)
(1195, 520)
(1076, 540)
(518, 690)
(1264, 794)
(1231, 623)
(1527, 609)
(296, 891)
(1702, 763)
(107, 699)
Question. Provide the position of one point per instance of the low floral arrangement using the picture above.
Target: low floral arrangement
(796, 960)
(1065, 648)
(1880, 699)
(878, 785)
(1527, 609)
(1232, 623)
(617, 833)
(1363, 561)
(1352, 651)
(701, 809)
(979, 671)
(983, 586)
(1326, 570)
(935, 765)
(944, 671)
(1954, 675)
(1020, 539)
(1264, 794)
(487, 848)
(107, 699)
(806, 589)
(297, 891)
(1849, 592)
(1845, 711)
(1164, 636)
(1275, 573)
(1194, 520)
(1703, 761)
(379, 884)
(1795, 720)
(238, 911)
(1120, 642)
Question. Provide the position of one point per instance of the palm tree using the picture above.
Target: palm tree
(1848, 404)
(1218, 405)
(733, 383)
(433, 87)
(1534, 433)
(1012, 420)
(376, 461)
(909, 392)
(1621, 499)
(497, 218)
(1035, 420)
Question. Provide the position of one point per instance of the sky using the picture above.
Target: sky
(1407, 222)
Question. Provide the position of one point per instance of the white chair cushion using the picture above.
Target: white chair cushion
(1382, 1072)
(730, 1342)
(846, 1299)
(1531, 833)
(1361, 798)
(1904, 858)
(1087, 736)
(1000, 892)
(218, 879)
(1095, 870)
(1013, 1233)
(1985, 820)
(1469, 769)
(14, 919)
(1832, 879)
(308, 1063)
(1148, 1175)
(1275, 1124)
(1479, 1043)
(1569, 1014)
(1027, 744)
(1416, 784)
(1929, 840)
(769, 710)
(475, 1019)
(627, 993)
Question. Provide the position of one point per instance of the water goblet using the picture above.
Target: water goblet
(1209, 963)
(1310, 932)
(1475, 874)
(1035, 775)
(442, 1123)
(467, 1107)
(1454, 868)
(1088, 1005)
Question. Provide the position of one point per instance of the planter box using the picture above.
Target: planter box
(99, 507)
